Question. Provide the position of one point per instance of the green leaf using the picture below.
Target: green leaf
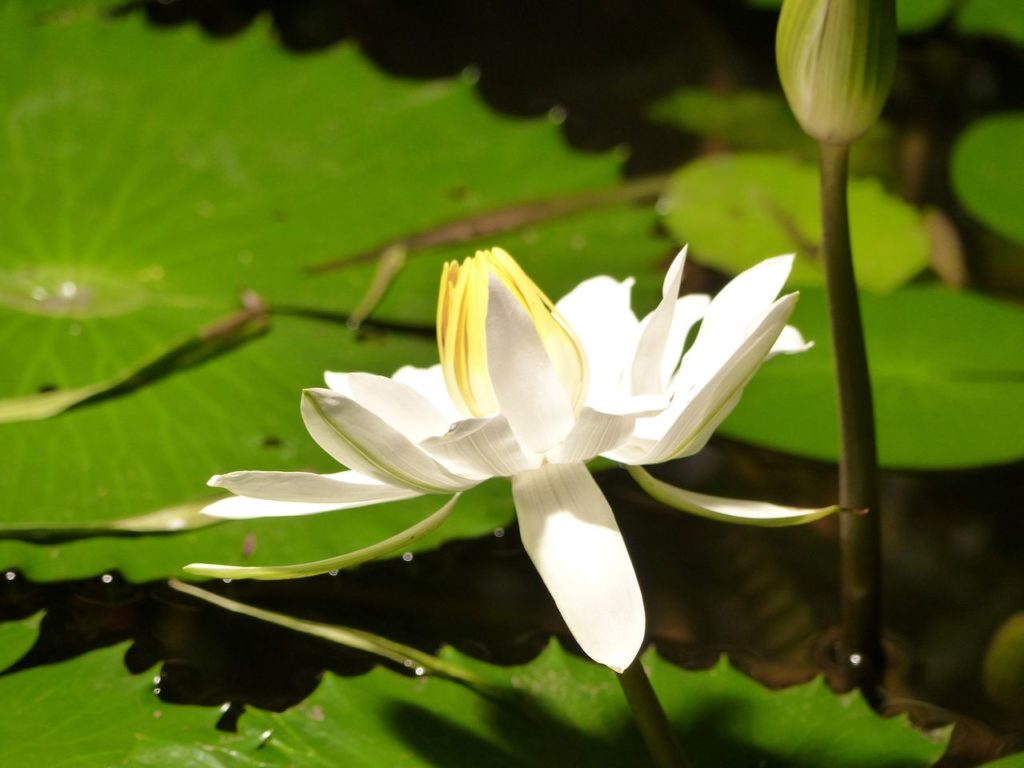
(558, 710)
(744, 119)
(1003, 665)
(946, 372)
(921, 15)
(151, 177)
(88, 712)
(997, 18)
(1010, 761)
(16, 638)
(762, 121)
(194, 349)
(737, 210)
(988, 172)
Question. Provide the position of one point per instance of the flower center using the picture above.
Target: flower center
(462, 335)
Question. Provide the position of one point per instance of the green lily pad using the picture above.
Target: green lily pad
(761, 121)
(559, 710)
(947, 377)
(87, 712)
(988, 172)
(1003, 665)
(996, 18)
(921, 15)
(757, 120)
(737, 210)
(152, 178)
(16, 637)
(1010, 761)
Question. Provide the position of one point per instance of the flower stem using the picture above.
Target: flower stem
(859, 525)
(651, 719)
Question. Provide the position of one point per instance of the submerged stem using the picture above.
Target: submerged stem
(651, 719)
(859, 523)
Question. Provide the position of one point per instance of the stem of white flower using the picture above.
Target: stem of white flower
(661, 741)
(859, 523)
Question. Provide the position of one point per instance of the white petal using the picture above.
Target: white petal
(731, 316)
(678, 431)
(364, 442)
(344, 489)
(482, 448)
(760, 513)
(594, 433)
(790, 342)
(244, 508)
(688, 311)
(399, 405)
(570, 534)
(338, 381)
(429, 382)
(598, 310)
(528, 390)
(657, 326)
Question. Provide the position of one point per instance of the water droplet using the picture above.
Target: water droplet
(264, 738)
(10, 575)
(419, 671)
(407, 557)
(63, 290)
(107, 578)
(156, 690)
(856, 659)
(156, 680)
(664, 205)
(471, 74)
(557, 114)
(407, 663)
(225, 707)
(499, 533)
(226, 581)
(333, 572)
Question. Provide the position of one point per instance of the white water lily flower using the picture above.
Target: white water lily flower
(531, 391)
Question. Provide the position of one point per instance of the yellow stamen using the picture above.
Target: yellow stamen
(462, 337)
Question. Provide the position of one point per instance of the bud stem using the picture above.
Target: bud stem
(859, 533)
(651, 719)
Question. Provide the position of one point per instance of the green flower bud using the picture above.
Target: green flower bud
(836, 61)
